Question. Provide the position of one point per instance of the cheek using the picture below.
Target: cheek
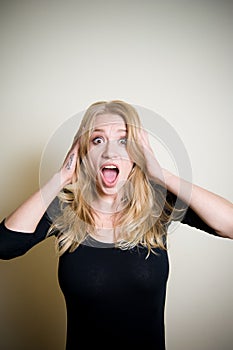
(127, 167)
(93, 155)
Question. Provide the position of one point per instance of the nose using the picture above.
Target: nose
(110, 149)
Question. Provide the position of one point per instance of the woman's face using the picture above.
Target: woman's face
(108, 155)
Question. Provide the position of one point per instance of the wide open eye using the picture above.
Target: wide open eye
(98, 140)
(123, 141)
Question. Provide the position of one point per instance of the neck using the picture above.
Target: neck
(107, 205)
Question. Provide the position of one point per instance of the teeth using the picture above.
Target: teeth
(110, 167)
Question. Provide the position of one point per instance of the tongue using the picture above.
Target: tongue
(110, 174)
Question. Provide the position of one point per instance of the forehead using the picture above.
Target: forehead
(109, 120)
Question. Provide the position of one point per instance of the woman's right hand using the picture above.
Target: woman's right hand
(67, 171)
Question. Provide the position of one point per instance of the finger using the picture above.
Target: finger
(73, 149)
(143, 136)
(70, 161)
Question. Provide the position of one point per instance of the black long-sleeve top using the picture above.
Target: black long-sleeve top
(114, 297)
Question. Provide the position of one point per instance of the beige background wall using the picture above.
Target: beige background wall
(173, 57)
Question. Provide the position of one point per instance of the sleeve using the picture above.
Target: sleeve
(14, 244)
(192, 219)
(186, 215)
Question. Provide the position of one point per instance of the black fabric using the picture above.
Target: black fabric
(14, 244)
(113, 296)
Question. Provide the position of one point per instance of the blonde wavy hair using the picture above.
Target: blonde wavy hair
(145, 212)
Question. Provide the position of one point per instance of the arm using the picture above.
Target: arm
(215, 211)
(27, 216)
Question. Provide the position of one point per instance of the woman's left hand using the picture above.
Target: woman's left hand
(154, 170)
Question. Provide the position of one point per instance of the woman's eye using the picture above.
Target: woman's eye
(97, 140)
(123, 141)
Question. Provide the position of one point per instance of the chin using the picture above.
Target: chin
(108, 191)
(111, 191)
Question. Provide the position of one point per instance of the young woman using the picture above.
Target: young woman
(113, 204)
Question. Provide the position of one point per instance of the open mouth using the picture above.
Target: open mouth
(109, 174)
